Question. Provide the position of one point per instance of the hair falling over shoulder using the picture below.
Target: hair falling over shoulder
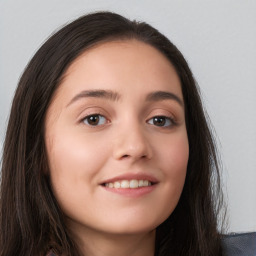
(31, 222)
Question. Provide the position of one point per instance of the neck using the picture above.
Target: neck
(94, 244)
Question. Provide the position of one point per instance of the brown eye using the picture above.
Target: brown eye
(161, 121)
(94, 120)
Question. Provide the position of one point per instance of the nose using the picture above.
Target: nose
(131, 143)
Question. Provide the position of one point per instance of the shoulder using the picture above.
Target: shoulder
(243, 244)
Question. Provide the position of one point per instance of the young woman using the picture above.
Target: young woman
(108, 150)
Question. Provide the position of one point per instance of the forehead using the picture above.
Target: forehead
(123, 66)
(132, 49)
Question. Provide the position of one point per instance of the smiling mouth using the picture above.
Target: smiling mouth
(126, 184)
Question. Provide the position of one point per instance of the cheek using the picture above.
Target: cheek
(174, 159)
(172, 155)
(175, 153)
(75, 162)
(73, 158)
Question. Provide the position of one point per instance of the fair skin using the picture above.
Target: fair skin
(117, 119)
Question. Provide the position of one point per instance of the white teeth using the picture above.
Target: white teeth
(134, 184)
(141, 183)
(128, 184)
(117, 184)
(124, 184)
(145, 183)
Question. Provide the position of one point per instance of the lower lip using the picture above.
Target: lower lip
(131, 192)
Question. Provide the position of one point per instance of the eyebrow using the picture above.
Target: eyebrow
(114, 96)
(103, 94)
(163, 95)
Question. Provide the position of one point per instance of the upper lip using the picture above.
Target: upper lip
(131, 176)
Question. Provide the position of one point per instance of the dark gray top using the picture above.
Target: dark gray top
(243, 244)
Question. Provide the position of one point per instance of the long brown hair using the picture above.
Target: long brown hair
(30, 220)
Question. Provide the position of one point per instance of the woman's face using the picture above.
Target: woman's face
(116, 139)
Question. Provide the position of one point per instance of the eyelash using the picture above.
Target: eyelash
(96, 115)
(98, 118)
(170, 120)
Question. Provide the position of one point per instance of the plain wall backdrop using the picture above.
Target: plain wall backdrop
(218, 39)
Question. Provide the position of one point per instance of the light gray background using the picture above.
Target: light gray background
(218, 38)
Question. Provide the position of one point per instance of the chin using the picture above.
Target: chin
(134, 226)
